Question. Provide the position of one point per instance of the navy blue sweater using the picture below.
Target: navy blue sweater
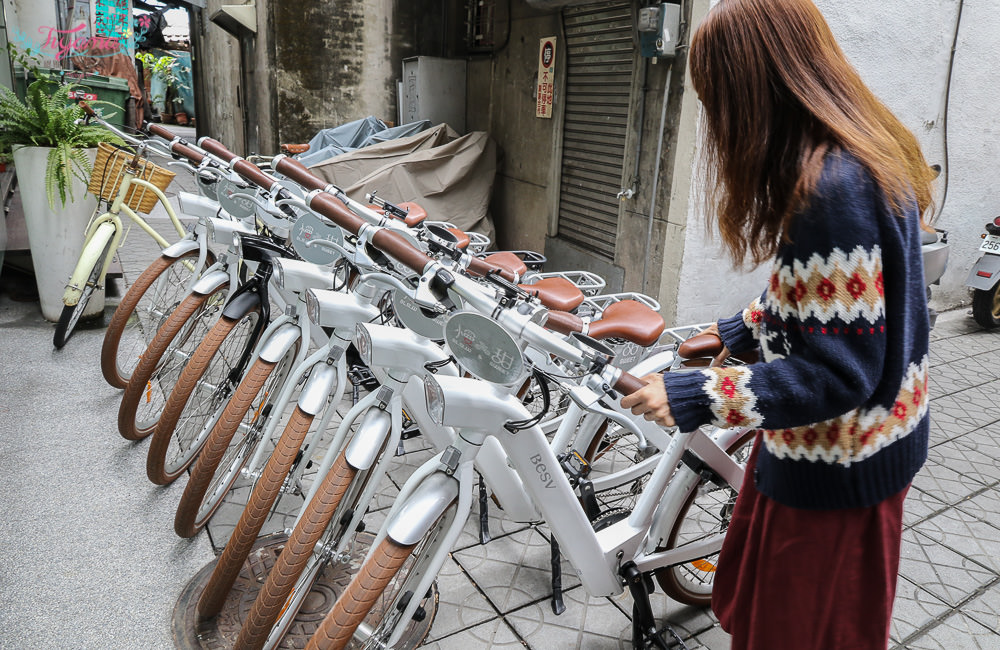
(841, 393)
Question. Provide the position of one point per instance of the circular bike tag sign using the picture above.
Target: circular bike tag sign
(238, 207)
(484, 348)
(422, 321)
(308, 229)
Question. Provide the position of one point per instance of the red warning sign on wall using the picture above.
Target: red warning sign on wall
(546, 76)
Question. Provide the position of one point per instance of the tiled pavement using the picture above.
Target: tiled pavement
(496, 596)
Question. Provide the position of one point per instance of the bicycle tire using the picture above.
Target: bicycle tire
(141, 312)
(314, 521)
(223, 451)
(172, 348)
(71, 314)
(158, 363)
(387, 568)
(258, 507)
(202, 389)
(691, 583)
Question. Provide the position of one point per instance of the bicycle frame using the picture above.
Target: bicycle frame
(90, 256)
(596, 556)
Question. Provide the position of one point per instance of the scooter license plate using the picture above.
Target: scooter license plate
(991, 244)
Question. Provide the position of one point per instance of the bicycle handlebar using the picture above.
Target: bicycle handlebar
(217, 149)
(298, 172)
(160, 131)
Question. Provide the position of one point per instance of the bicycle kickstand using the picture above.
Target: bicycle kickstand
(644, 632)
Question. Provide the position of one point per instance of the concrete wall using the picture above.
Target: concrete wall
(501, 101)
(901, 49)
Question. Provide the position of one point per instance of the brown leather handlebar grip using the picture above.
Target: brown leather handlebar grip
(398, 247)
(701, 345)
(186, 151)
(333, 209)
(628, 384)
(482, 267)
(254, 174)
(564, 322)
(86, 108)
(298, 172)
(159, 131)
(217, 149)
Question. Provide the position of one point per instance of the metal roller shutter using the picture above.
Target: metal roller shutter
(600, 57)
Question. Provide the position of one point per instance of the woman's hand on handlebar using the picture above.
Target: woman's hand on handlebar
(650, 401)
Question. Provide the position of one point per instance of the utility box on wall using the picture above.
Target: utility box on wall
(433, 89)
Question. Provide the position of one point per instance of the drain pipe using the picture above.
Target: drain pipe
(656, 174)
(627, 193)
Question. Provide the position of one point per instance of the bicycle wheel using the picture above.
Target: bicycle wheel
(147, 304)
(706, 511)
(232, 442)
(380, 592)
(71, 314)
(201, 389)
(305, 555)
(258, 507)
(154, 377)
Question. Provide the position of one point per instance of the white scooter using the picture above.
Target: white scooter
(984, 279)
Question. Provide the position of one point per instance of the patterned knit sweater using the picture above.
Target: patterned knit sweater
(841, 393)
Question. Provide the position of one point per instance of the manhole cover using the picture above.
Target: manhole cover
(191, 633)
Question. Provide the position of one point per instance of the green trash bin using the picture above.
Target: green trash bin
(89, 87)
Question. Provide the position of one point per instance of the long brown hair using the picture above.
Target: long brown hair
(778, 94)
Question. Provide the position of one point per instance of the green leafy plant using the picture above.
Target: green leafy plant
(163, 68)
(47, 117)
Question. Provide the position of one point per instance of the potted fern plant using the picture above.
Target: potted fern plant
(53, 154)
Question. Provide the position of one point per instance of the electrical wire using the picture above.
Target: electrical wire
(944, 116)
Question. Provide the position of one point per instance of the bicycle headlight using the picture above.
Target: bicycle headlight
(434, 397)
(312, 307)
(363, 342)
(278, 274)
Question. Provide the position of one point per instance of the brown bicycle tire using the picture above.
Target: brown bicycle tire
(353, 606)
(126, 307)
(673, 585)
(129, 406)
(192, 373)
(258, 507)
(159, 445)
(294, 557)
(186, 522)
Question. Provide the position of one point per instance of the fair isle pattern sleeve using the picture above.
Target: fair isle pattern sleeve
(739, 333)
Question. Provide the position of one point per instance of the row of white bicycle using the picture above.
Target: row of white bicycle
(236, 347)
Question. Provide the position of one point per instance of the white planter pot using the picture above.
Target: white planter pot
(55, 237)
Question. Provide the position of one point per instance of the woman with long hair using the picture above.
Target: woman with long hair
(811, 172)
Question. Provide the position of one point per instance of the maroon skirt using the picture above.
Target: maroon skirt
(799, 579)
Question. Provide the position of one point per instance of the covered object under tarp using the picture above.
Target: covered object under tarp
(450, 177)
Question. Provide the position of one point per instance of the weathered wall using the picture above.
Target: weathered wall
(502, 102)
(901, 49)
(220, 55)
(339, 61)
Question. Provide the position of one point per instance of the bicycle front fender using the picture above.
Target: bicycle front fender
(90, 257)
(241, 303)
(424, 507)
(210, 281)
(279, 342)
(180, 248)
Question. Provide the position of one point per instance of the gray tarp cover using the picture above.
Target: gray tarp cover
(355, 135)
(450, 177)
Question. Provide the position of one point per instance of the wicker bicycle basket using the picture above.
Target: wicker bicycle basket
(109, 170)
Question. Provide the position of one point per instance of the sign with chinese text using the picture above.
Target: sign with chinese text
(546, 76)
(112, 18)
